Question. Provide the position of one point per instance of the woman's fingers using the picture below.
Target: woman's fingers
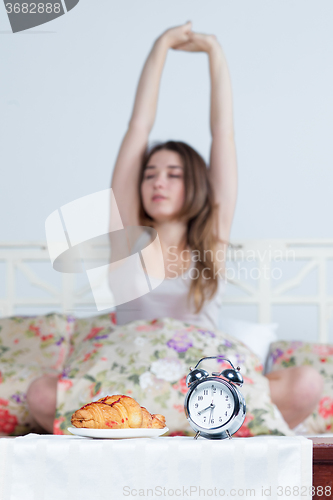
(178, 35)
(183, 38)
(197, 42)
(187, 27)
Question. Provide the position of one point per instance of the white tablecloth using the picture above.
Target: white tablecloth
(48, 467)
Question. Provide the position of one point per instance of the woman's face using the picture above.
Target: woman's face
(162, 188)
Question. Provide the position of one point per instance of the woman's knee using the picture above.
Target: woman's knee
(296, 389)
(306, 385)
(42, 394)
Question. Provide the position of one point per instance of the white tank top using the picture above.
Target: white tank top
(169, 299)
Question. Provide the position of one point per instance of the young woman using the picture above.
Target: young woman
(191, 206)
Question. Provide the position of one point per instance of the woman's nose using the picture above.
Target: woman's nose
(159, 181)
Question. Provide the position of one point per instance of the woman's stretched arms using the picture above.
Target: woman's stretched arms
(127, 168)
(223, 161)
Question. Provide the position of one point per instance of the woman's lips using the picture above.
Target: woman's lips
(158, 197)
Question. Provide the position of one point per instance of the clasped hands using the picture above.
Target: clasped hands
(183, 38)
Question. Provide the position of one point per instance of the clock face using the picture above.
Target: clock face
(211, 404)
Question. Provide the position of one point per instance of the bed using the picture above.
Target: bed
(29, 286)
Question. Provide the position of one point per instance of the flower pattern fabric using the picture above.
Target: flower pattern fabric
(149, 361)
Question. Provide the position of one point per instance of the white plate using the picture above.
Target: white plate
(117, 433)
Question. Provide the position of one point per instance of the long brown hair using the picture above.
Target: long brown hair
(199, 211)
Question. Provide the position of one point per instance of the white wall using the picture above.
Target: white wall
(67, 88)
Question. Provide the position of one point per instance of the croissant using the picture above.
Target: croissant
(116, 412)
(149, 421)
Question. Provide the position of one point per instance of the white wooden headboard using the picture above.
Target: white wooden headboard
(256, 270)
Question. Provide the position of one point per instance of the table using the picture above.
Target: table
(51, 467)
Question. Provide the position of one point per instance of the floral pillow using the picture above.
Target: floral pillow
(29, 347)
(149, 361)
(284, 354)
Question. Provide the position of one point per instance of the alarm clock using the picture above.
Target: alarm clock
(214, 406)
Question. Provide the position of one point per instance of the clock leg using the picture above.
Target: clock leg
(228, 434)
(197, 435)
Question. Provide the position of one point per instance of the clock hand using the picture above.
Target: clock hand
(212, 406)
(211, 412)
(205, 409)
